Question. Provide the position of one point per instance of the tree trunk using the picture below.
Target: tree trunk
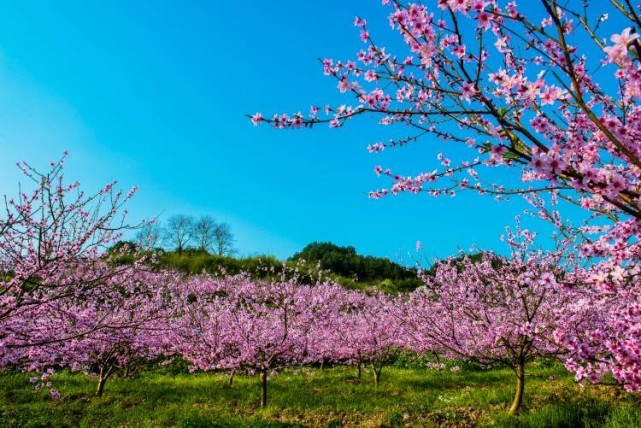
(263, 395)
(105, 372)
(101, 383)
(231, 378)
(377, 374)
(360, 370)
(520, 386)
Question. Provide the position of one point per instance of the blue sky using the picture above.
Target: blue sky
(155, 93)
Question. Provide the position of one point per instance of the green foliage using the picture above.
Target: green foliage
(345, 262)
(193, 261)
(497, 261)
(123, 253)
(339, 264)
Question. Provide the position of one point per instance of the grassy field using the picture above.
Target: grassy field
(320, 398)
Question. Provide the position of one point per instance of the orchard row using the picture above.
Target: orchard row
(66, 304)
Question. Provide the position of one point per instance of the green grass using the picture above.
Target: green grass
(314, 398)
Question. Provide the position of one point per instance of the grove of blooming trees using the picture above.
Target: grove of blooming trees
(67, 304)
(517, 88)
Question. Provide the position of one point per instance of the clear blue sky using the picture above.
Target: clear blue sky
(154, 93)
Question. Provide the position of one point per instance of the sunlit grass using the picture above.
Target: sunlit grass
(324, 398)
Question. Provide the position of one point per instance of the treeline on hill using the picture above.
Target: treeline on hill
(341, 264)
(346, 263)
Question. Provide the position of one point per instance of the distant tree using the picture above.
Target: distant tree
(179, 232)
(204, 233)
(340, 260)
(224, 239)
(346, 262)
(462, 259)
(149, 235)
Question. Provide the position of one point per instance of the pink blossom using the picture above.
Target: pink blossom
(359, 22)
(468, 91)
(618, 52)
(459, 51)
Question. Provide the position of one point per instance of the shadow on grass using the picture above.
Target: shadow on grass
(561, 415)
